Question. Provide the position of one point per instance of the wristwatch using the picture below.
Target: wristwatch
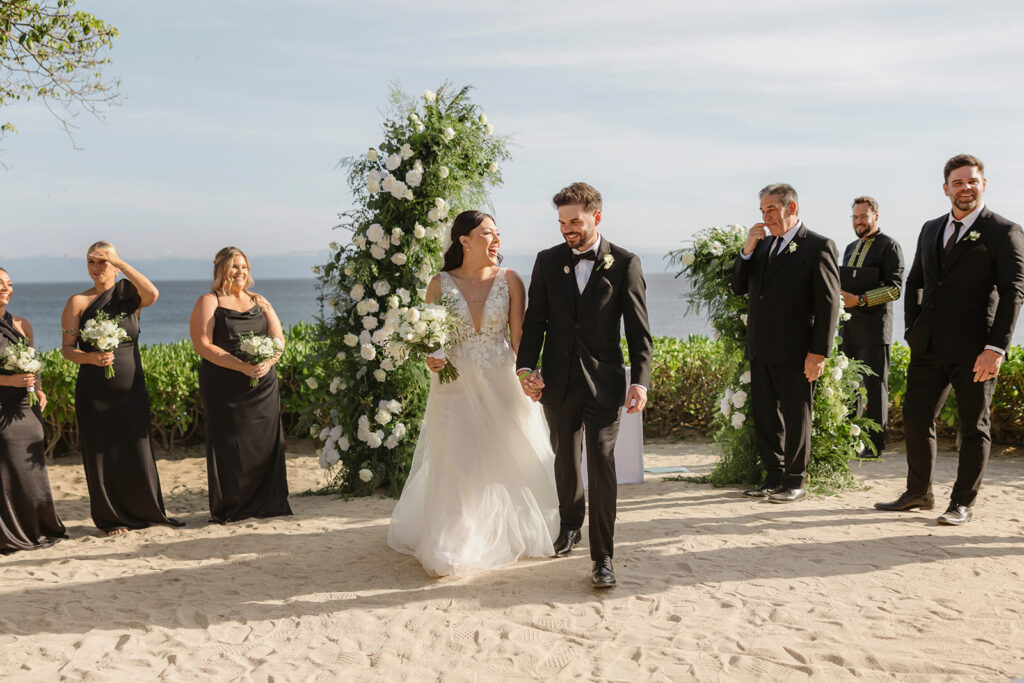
(862, 301)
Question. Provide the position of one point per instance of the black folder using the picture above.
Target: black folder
(858, 280)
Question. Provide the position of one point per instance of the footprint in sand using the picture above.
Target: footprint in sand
(464, 630)
(557, 661)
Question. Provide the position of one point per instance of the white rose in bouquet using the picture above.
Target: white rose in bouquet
(715, 248)
(104, 334)
(688, 258)
(260, 348)
(23, 359)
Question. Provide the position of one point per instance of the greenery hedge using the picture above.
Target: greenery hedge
(687, 376)
(172, 377)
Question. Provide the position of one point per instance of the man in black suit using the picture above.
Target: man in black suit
(581, 292)
(867, 335)
(792, 283)
(964, 292)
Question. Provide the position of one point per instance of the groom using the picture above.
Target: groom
(581, 292)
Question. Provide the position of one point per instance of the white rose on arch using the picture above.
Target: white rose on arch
(738, 419)
(739, 398)
(449, 134)
(393, 162)
(399, 259)
(854, 430)
(372, 155)
(429, 95)
(687, 258)
(443, 172)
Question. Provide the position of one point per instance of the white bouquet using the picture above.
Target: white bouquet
(104, 334)
(23, 359)
(426, 330)
(259, 348)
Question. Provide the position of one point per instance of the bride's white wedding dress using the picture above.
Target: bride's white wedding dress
(481, 491)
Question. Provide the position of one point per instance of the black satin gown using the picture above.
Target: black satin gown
(113, 424)
(245, 460)
(28, 519)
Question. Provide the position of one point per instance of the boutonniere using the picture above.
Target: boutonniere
(973, 236)
(606, 262)
(792, 247)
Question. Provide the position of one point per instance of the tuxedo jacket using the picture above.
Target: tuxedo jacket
(583, 330)
(957, 305)
(872, 326)
(793, 302)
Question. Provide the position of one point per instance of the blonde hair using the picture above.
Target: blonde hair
(102, 244)
(222, 287)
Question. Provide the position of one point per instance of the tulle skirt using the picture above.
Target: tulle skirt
(481, 491)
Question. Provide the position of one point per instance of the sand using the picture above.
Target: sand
(712, 586)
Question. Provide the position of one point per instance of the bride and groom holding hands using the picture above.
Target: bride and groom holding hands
(496, 474)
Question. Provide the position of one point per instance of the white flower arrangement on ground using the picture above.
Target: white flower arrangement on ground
(104, 334)
(259, 348)
(23, 359)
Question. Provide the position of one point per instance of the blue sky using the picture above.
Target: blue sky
(235, 114)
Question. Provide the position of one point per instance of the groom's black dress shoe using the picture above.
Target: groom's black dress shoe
(908, 501)
(787, 495)
(955, 515)
(567, 538)
(762, 491)
(603, 576)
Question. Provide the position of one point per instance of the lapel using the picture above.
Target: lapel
(964, 244)
(567, 276)
(596, 274)
(787, 253)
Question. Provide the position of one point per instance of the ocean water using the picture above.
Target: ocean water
(293, 299)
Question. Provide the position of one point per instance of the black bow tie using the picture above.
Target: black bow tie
(585, 256)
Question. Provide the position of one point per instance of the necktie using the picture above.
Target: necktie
(776, 248)
(585, 256)
(952, 238)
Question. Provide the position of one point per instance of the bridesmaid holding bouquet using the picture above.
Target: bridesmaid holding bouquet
(245, 457)
(111, 400)
(28, 519)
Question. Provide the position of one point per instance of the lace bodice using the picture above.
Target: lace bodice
(489, 345)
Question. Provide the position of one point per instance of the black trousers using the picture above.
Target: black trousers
(928, 383)
(782, 399)
(876, 405)
(567, 421)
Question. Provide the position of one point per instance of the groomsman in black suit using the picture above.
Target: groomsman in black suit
(792, 283)
(867, 335)
(581, 293)
(964, 292)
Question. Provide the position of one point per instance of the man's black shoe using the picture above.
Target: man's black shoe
(908, 501)
(567, 538)
(603, 576)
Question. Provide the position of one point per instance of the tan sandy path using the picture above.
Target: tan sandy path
(711, 587)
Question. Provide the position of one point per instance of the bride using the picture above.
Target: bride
(481, 491)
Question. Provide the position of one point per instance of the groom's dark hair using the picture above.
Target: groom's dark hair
(579, 193)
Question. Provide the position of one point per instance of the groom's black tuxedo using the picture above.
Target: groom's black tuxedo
(955, 306)
(793, 306)
(584, 375)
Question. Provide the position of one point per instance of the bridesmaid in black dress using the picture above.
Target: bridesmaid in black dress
(27, 517)
(245, 459)
(113, 414)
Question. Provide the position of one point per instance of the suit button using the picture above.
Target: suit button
(761, 297)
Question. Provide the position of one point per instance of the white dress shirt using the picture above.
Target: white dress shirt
(786, 238)
(585, 268)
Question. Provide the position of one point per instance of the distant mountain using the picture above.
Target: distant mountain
(277, 266)
(56, 269)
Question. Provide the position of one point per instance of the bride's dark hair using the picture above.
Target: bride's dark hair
(464, 224)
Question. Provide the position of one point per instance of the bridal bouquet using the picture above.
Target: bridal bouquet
(104, 334)
(259, 348)
(23, 359)
(425, 330)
